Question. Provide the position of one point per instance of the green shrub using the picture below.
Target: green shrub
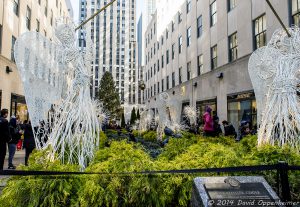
(103, 140)
(42, 191)
(189, 152)
(149, 136)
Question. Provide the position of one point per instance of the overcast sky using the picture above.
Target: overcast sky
(75, 5)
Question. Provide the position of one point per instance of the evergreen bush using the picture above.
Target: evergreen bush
(189, 152)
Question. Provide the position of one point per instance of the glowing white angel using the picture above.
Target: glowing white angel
(74, 125)
(274, 72)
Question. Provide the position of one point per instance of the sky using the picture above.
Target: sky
(75, 5)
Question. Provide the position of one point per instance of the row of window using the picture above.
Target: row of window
(213, 18)
(260, 40)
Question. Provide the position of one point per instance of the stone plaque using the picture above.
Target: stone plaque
(233, 191)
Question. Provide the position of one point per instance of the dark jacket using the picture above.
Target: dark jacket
(29, 141)
(15, 135)
(4, 131)
(230, 130)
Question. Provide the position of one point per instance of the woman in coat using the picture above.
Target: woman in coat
(208, 122)
(29, 142)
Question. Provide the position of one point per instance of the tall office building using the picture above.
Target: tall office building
(201, 56)
(113, 34)
(140, 56)
(17, 17)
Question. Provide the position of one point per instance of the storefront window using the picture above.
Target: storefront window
(212, 103)
(242, 107)
(19, 107)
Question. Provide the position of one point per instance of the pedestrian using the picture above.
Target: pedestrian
(229, 129)
(208, 122)
(15, 133)
(217, 126)
(29, 142)
(4, 135)
(244, 129)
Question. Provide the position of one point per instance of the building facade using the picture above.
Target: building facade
(17, 17)
(202, 55)
(113, 33)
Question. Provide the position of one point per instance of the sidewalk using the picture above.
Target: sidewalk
(18, 159)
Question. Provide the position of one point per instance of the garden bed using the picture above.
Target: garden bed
(120, 155)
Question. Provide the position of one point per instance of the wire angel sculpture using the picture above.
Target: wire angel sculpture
(274, 72)
(57, 90)
(167, 114)
(190, 113)
(146, 120)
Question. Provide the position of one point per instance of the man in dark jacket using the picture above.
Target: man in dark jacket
(229, 129)
(15, 133)
(4, 135)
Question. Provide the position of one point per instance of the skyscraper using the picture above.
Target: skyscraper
(113, 33)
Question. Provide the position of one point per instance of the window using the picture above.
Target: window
(168, 86)
(16, 7)
(46, 8)
(162, 40)
(162, 85)
(39, 2)
(157, 65)
(188, 72)
(173, 79)
(158, 89)
(173, 51)
(189, 38)
(188, 6)
(37, 25)
(13, 41)
(214, 57)
(162, 61)
(180, 75)
(213, 13)
(0, 40)
(231, 4)
(179, 17)
(233, 47)
(200, 64)
(199, 26)
(51, 18)
(28, 18)
(296, 12)
(260, 31)
(180, 44)
(173, 26)
(167, 56)
(167, 34)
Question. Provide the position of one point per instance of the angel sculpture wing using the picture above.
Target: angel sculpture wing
(48, 70)
(274, 72)
(43, 75)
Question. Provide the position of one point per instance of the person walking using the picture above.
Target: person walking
(15, 133)
(4, 135)
(217, 127)
(29, 142)
(229, 129)
(208, 122)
